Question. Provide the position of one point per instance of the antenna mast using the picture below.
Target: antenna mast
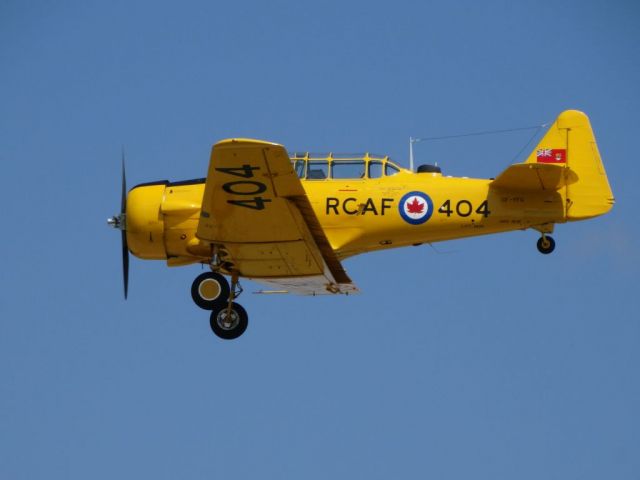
(411, 142)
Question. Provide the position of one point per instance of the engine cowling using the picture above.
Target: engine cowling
(145, 222)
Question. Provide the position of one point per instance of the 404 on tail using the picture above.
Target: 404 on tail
(289, 221)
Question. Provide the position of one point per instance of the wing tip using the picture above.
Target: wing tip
(245, 142)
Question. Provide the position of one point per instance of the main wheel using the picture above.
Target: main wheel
(209, 290)
(546, 244)
(230, 326)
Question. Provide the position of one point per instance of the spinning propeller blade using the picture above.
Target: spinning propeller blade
(125, 247)
(120, 222)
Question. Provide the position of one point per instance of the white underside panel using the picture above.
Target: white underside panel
(309, 285)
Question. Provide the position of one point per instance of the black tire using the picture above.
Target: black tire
(546, 245)
(233, 329)
(209, 290)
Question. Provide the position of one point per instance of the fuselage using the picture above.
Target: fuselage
(396, 208)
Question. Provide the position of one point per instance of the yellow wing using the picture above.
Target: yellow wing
(256, 211)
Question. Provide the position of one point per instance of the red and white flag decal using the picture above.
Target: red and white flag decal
(551, 155)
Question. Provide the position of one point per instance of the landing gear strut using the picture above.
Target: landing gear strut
(211, 291)
(546, 244)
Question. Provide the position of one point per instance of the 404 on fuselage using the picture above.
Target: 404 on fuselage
(288, 221)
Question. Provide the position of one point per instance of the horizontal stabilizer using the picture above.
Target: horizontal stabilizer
(535, 177)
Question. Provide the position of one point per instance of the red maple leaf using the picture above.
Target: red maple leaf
(415, 206)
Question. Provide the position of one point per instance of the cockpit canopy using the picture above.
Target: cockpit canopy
(316, 166)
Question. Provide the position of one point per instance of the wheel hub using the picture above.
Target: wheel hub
(228, 322)
(209, 289)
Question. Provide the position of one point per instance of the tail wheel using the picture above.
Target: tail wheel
(229, 324)
(546, 245)
(209, 290)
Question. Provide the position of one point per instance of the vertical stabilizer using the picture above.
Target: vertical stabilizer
(570, 142)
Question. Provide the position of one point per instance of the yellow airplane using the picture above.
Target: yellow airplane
(288, 222)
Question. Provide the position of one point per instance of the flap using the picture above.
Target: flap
(313, 285)
(534, 176)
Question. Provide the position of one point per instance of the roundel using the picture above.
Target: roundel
(415, 208)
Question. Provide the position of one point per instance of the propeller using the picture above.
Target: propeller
(120, 222)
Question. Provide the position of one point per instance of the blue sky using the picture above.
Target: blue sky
(478, 358)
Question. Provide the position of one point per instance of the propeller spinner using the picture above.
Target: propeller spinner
(120, 222)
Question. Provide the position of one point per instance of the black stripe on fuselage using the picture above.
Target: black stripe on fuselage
(167, 183)
(195, 181)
